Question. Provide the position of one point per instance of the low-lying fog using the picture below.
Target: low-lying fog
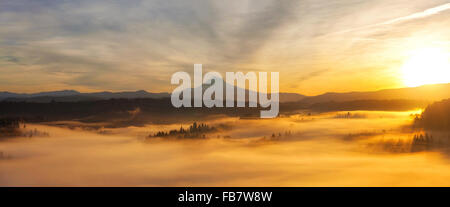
(336, 149)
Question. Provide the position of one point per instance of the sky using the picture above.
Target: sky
(317, 46)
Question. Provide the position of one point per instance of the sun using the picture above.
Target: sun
(426, 66)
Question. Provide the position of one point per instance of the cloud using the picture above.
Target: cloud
(157, 37)
(418, 15)
(9, 59)
(312, 155)
(426, 13)
(313, 74)
(135, 44)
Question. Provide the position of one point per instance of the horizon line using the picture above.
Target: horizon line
(143, 90)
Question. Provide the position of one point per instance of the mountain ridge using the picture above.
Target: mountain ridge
(426, 92)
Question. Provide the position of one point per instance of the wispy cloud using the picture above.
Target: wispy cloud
(86, 40)
(418, 15)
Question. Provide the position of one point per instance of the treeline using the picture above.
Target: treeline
(435, 117)
(193, 131)
(10, 127)
(161, 110)
(150, 110)
(16, 127)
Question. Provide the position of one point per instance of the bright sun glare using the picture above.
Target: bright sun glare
(426, 66)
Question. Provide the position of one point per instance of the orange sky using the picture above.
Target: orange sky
(317, 46)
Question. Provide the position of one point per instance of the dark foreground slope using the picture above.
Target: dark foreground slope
(436, 116)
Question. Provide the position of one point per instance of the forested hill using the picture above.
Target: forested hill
(436, 116)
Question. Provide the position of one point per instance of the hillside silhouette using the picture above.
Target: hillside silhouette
(128, 110)
(435, 117)
(430, 93)
(433, 92)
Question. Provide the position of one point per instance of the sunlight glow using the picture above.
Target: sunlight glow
(426, 66)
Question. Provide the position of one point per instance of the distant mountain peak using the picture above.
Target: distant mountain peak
(70, 95)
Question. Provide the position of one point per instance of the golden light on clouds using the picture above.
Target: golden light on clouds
(317, 46)
(426, 66)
